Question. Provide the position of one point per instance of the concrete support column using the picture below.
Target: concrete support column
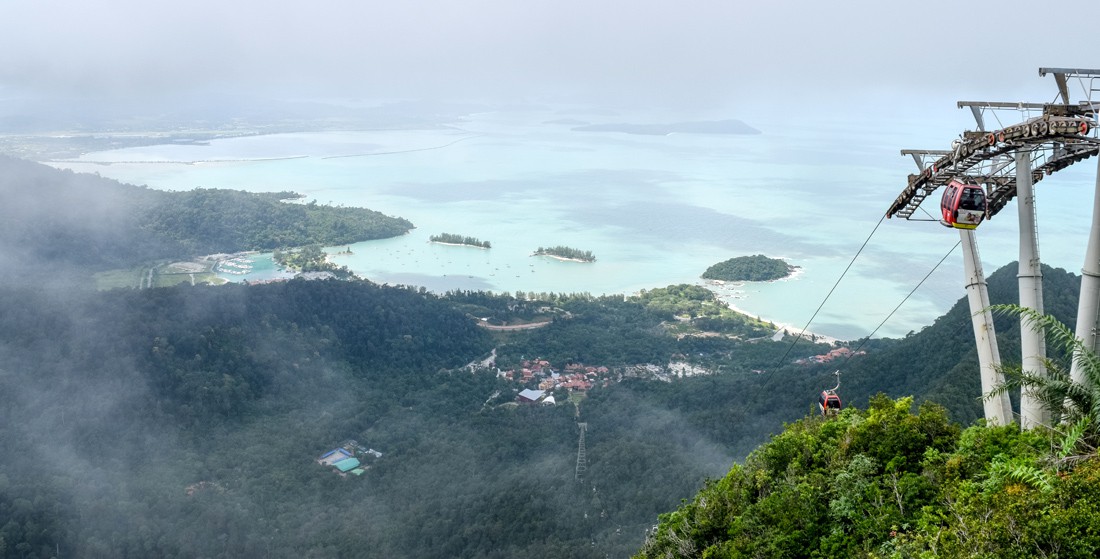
(1033, 349)
(1088, 304)
(998, 410)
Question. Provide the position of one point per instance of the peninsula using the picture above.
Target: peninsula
(750, 268)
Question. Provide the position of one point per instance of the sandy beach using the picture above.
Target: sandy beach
(727, 290)
(791, 329)
(563, 259)
(457, 245)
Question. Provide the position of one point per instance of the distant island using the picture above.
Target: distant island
(452, 239)
(567, 122)
(566, 253)
(730, 126)
(749, 268)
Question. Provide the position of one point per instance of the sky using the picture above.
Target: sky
(707, 55)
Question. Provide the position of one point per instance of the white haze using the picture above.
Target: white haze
(706, 56)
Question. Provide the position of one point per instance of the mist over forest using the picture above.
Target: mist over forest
(186, 421)
(154, 404)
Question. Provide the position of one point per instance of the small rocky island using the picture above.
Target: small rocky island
(452, 239)
(566, 253)
(750, 268)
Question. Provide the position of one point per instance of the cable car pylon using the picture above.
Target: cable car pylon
(1088, 303)
(1033, 348)
(998, 409)
(1008, 162)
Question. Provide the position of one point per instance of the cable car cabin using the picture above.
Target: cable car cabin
(963, 205)
(829, 402)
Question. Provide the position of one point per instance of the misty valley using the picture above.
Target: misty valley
(577, 280)
(200, 420)
(188, 420)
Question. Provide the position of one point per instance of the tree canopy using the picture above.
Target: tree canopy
(455, 239)
(566, 252)
(749, 268)
(55, 221)
(887, 482)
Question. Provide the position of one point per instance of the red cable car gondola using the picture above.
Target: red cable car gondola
(963, 205)
(829, 402)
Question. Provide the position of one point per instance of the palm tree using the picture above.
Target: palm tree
(1074, 406)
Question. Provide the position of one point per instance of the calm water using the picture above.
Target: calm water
(655, 210)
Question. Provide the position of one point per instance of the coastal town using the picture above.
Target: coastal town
(538, 381)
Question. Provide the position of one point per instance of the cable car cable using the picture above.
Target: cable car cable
(838, 280)
(884, 320)
(881, 324)
(914, 290)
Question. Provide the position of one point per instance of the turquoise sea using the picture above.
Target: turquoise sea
(655, 210)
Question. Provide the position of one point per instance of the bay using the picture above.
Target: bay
(655, 210)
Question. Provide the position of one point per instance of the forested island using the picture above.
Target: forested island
(566, 253)
(452, 239)
(749, 268)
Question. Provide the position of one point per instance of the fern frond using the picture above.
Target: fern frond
(1018, 472)
(1031, 477)
(1073, 437)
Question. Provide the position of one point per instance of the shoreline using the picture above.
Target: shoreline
(796, 271)
(457, 245)
(791, 329)
(563, 258)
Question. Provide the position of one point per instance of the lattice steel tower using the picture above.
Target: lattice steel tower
(582, 461)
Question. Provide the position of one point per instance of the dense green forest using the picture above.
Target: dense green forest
(566, 252)
(185, 421)
(890, 483)
(242, 386)
(53, 222)
(454, 239)
(749, 268)
(938, 363)
(117, 404)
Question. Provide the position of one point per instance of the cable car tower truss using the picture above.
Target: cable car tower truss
(1007, 161)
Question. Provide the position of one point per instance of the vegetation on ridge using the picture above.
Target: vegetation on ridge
(888, 483)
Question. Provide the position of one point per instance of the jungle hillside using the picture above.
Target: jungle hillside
(189, 420)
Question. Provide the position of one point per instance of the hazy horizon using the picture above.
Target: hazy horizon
(708, 57)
